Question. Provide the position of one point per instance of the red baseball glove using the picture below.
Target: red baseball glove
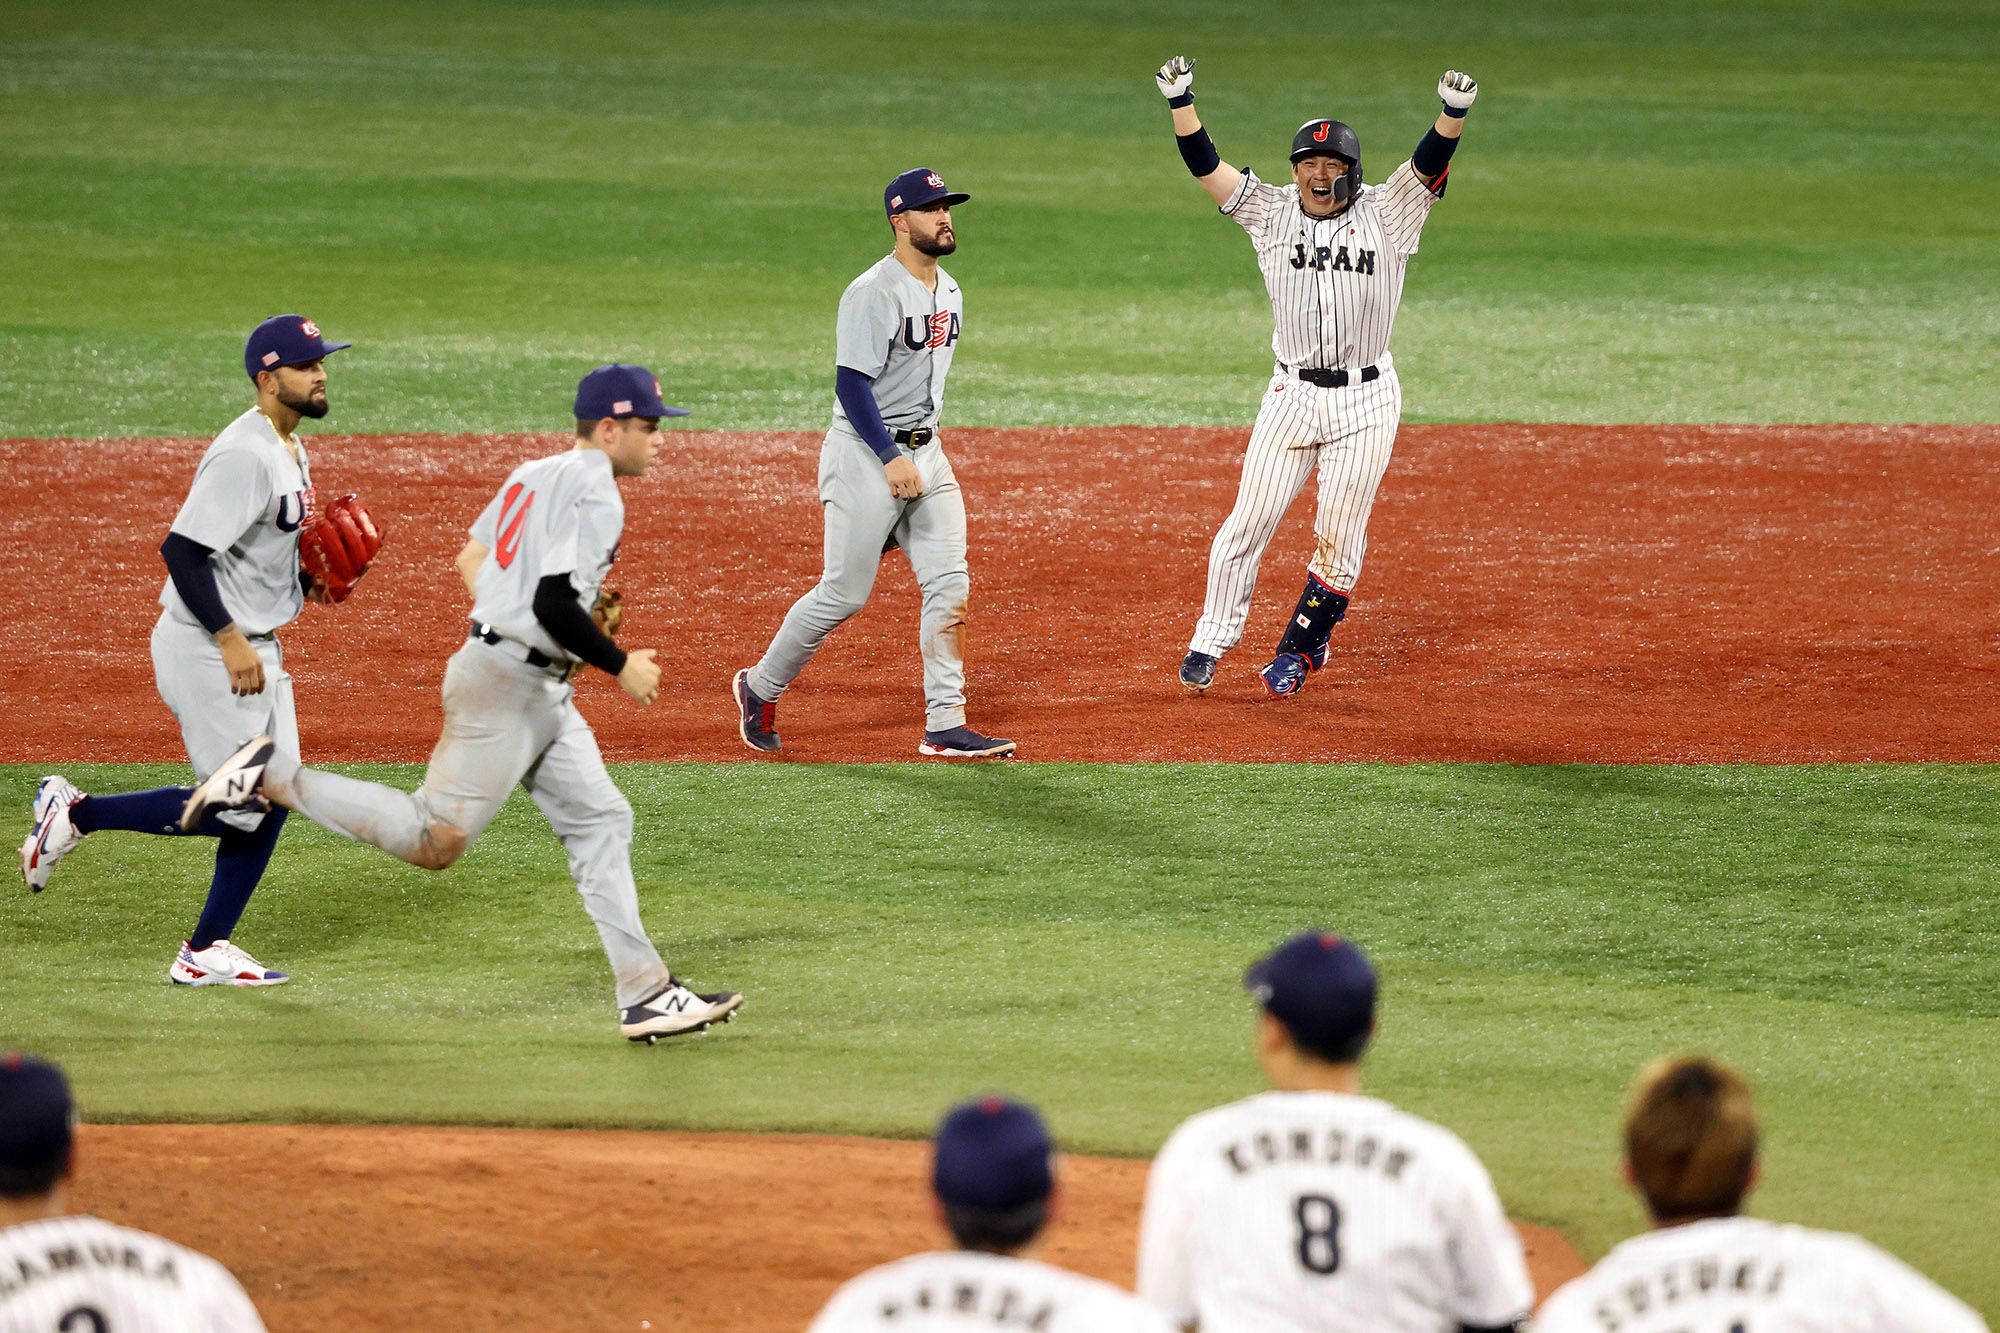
(336, 547)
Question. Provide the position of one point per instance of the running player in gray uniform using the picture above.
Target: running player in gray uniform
(538, 554)
(72, 1273)
(1333, 253)
(883, 476)
(233, 582)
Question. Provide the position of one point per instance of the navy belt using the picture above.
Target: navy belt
(1339, 379)
(915, 439)
(534, 657)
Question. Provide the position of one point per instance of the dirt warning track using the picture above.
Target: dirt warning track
(1533, 594)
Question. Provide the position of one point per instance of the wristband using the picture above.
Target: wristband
(1456, 112)
(1198, 151)
(1183, 99)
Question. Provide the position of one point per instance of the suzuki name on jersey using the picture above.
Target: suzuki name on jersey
(1688, 1280)
(1322, 1147)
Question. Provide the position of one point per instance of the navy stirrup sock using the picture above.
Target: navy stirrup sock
(240, 859)
(156, 811)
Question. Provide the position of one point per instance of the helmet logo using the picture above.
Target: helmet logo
(310, 329)
(935, 181)
(1319, 135)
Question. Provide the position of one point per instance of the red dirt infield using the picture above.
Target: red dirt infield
(360, 1227)
(1533, 594)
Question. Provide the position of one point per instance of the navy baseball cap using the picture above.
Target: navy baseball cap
(993, 1153)
(621, 391)
(919, 187)
(285, 340)
(1319, 986)
(36, 1119)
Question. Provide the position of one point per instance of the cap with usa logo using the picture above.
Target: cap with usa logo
(285, 340)
(919, 187)
(620, 390)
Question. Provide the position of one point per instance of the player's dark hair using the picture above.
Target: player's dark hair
(1340, 1053)
(996, 1231)
(586, 429)
(18, 1181)
(1690, 1138)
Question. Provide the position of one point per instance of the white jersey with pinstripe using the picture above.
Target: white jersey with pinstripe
(1335, 285)
(1302, 1212)
(957, 1291)
(85, 1275)
(1746, 1275)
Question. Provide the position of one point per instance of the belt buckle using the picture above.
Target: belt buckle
(922, 436)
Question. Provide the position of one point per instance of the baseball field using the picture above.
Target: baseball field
(1667, 714)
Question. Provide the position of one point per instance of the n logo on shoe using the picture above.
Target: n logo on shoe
(674, 1004)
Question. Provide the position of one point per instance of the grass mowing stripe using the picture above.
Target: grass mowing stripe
(1075, 933)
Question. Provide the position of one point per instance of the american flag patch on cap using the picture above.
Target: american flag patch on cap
(622, 405)
(270, 358)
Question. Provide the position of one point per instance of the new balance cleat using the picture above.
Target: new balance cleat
(233, 786)
(675, 1011)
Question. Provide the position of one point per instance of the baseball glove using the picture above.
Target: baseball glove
(336, 547)
(607, 615)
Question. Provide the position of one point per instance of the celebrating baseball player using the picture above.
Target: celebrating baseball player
(1312, 1207)
(234, 580)
(993, 1175)
(884, 478)
(79, 1274)
(535, 567)
(1691, 1155)
(1333, 252)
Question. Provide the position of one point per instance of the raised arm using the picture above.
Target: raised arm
(1176, 80)
(1433, 156)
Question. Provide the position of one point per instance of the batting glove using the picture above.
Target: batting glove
(1175, 78)
(1457, 92)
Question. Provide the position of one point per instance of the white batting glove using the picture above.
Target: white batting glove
(1457, 91)
(1175, 77)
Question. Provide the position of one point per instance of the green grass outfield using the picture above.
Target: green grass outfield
(1076, 934)
(1748, 210)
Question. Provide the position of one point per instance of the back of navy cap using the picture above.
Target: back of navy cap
(37, 1120)
(993, 1153)
(1320, 986)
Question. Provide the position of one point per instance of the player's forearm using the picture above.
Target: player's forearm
(468, 560)
(1186, 120)
(1449, 126)
(856, 393)
(559, 612)
(194, 580)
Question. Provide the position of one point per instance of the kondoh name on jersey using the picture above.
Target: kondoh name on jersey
(1325, 1147)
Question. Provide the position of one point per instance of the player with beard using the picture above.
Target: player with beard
(884, 479)
(232, 559)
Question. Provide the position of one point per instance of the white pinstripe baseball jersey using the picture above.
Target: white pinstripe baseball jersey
(1743, 1275)
(964, 1289)
(84, 1275)
(1334, 282)
(1295, 1212)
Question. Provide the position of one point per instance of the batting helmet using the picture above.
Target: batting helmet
(1331, 138)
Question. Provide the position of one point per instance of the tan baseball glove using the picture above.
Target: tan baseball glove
(608, 614)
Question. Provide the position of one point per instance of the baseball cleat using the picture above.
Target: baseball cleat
(963, 743)
(675, 1011)
(52, 836)
(221, 964)
(233, 786)
(756, 719)
(1286, 675)
(1197, 671)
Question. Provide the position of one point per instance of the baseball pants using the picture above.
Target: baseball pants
(505, 722)
(193, 683)
(1345, 435)
(861, 516)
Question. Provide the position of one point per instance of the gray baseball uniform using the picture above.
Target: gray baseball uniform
(250, 495)
(902, 335)
(508, 720)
